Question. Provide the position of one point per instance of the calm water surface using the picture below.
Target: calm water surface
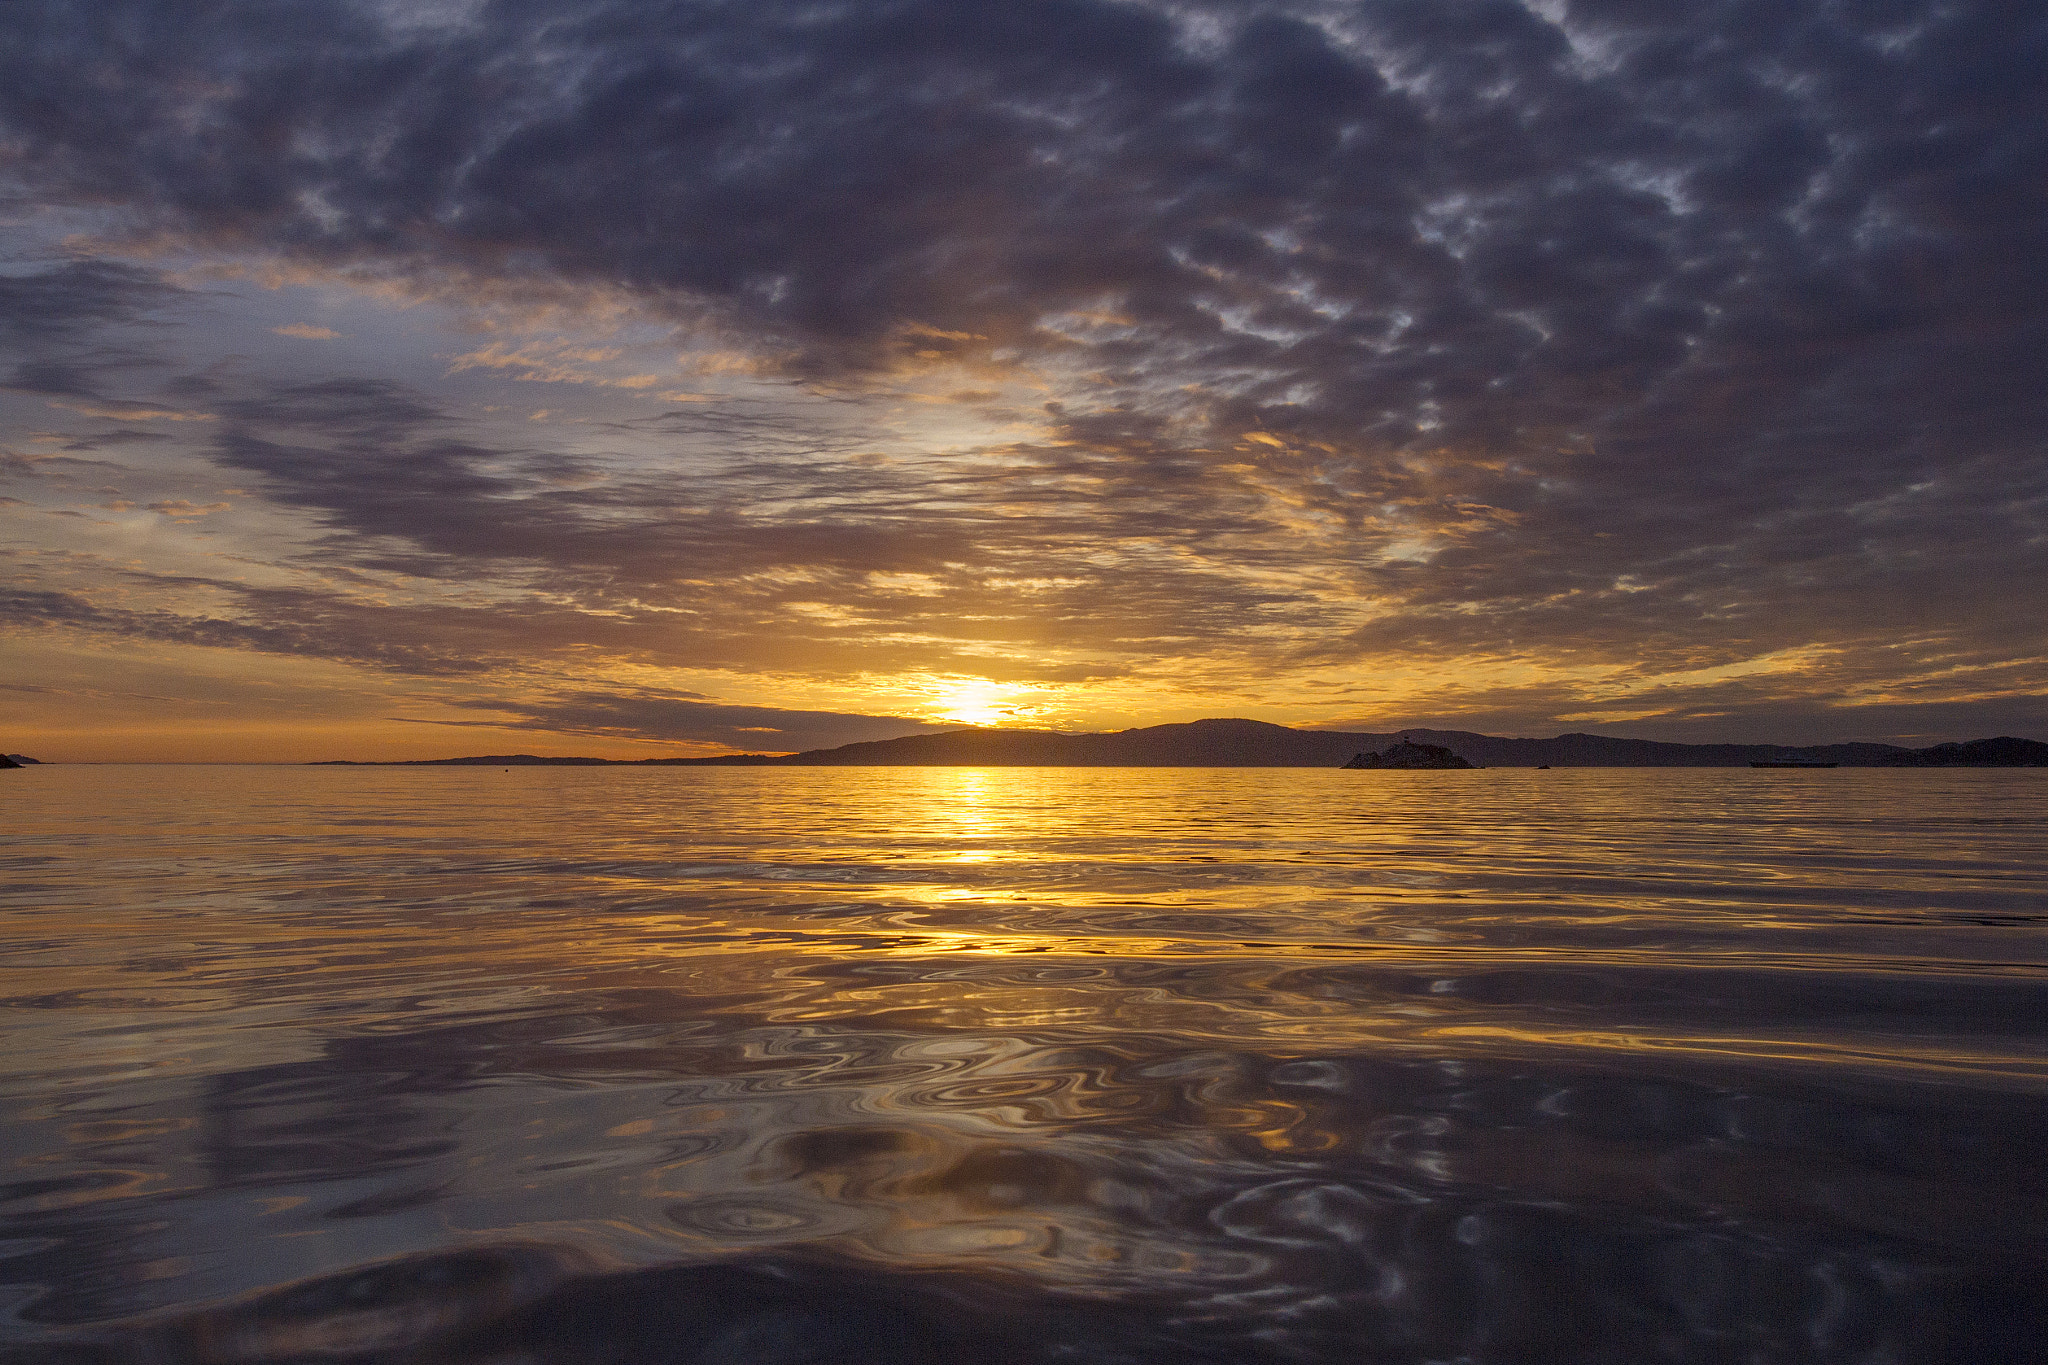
(723, 1066)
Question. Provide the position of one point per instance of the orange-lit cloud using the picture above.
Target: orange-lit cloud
(1098, 364)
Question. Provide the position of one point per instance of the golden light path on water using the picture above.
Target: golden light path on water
(1203, 1033)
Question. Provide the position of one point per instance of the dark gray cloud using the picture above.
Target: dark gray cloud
(53, 319)
(1666, 337)
(1425, 198)
(100, 440)
(44, 304)
(687, 717)
(275, 621)
(713, 562)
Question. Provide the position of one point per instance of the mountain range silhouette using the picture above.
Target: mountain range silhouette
(1232, 743)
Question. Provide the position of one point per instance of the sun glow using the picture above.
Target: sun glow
(974, 701)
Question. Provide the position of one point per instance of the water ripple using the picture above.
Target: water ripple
(712, 1066)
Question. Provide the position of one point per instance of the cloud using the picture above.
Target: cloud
(117, 437)
(277, 621)
(306, 331)
(1637, 341)
(181, 509)
(900, 561)
(62, 303)
(560, 364)
(51, 375)
(70, 330)
(687, 717)
(123, 410)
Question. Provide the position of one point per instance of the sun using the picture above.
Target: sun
(974, 702)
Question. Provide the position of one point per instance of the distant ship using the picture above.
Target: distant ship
(1792, 761)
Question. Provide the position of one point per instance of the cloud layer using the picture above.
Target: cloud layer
(1678, 359)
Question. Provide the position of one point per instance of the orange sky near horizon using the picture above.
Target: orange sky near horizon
(1095, 367)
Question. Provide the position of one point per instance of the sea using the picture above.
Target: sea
(736, 1066)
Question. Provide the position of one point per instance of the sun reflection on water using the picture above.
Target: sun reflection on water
(1194, 1033)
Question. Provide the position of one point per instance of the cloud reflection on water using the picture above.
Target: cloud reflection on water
(1233, 1066)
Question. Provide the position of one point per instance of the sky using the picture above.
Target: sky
(642, 379)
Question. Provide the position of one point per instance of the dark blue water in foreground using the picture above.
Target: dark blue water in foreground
(885, 1065)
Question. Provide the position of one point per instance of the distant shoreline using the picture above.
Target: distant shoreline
(1259, 744)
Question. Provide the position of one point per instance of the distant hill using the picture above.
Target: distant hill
(483, 761)
(1258, 744)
